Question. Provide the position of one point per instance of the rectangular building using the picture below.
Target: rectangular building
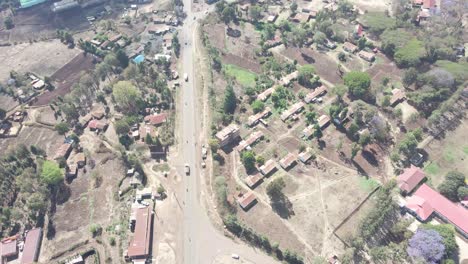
(140, 245)
(32, 245)
(228, 134)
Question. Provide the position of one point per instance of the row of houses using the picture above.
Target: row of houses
(365, 55)
(426, 203)
(22, 249)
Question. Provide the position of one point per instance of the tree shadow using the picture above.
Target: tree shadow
(63, 193)
(283, 207)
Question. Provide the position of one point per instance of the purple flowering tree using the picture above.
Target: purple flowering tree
(427, 245)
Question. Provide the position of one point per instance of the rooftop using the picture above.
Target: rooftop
(246, 200)
(288, 160)
(268, 167)
(140, 243)
(425, 201)
(410, 178)
(156, 119)
(226, 132)
(31, 246)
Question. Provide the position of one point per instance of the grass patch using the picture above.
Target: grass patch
(243, 76)
(378, 22)
(449, 154)
(459, 70)
(161, 167)
(368, 184)
(432, 169)
(465, 150)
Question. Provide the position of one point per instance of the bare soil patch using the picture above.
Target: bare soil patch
(66, 77)
(42, 58)
(45, 138)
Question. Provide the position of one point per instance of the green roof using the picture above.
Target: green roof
(29, 3)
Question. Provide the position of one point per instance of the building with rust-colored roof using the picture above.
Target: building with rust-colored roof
(228, 134)
(140, 244)
(368, 56)
(398, 96)
(8, 248)
(350, 47)
(295, 108)
(288, 161)
(265, 94)
(252, 139)
(268, 167)
(155, 119)
(247, 200)
(253, 119)
(32, 245)
(323, 121)
(410, 178)
(63, 151)
(315, 93)
(253, 180)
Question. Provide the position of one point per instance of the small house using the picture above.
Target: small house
(63, 151)
(80, 159)
(398, 96)
(323, 121)
(310, 97)
(272, 18)
(8, 248)
(301, 18)
(156, 119)
(253, 120)
(32, 245)
(288, 161)
(350, 47)
(253, 180)
(305, 156)
(268, 167)
(294, 109)
(410, 178)
(368, 56)
(265, 94)
(252, 139)
(247, 200)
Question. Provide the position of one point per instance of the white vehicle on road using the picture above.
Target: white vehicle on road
(187, 169)
(186, 77)
(235, 256)
(204, 151)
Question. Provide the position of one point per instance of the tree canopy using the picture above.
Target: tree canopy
(452, 183)
(258, 106)
(51, 173)
(426, 245)
(358, 83)
(230, 100)
(127, 96)
(275, 188)
(62, 128)
(248, 159)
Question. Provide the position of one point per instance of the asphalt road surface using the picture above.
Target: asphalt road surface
(202, 243)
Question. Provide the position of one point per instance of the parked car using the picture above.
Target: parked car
(187, 169)
(186, 77)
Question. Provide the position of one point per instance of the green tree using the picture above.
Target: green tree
(122, 127)
(306, 73)
(122, 57)
(355, 148)
(248, 159)
(214, 145)
(293, 7)
(462, 193)
(95, 230)
(176, 45)
(358, 83)
(228, 14)
(410, 76)
(2, 113)
(8, 22)
(447, 232)
(230, 100)
(127, 96)
(449, 187)
(161, 191)
(319, 38)
(51, 173)
(318, 134)
(311, 117)
(62, 128)
(255, 13)
(258, 106)
(275, 189)
(410, 55)
(260, 160)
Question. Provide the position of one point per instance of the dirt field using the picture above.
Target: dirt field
(31, 57)
(65, 77)
(39, 23)
(7, 102)
(44, 138)
(449, 153)
(89, 203)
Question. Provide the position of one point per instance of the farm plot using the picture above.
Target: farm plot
(447, 154)
(242, 76)
(66, 77)
(28, 57)
(45, 138)
(40, 23)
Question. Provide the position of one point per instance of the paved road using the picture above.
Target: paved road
(202, 243)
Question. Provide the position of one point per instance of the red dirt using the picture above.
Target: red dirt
(66, 76)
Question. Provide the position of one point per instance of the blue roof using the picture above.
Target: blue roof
(139, 59)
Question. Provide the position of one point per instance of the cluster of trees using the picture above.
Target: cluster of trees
(227, 12)
(176, 45)
(453, 187)
(66, 37)
(35, 180)
(281, 97)
(248, 234)
(250, 160)
(8, 22)
(407, 146)
(307, 77)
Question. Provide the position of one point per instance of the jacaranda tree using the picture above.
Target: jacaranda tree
(427, 245)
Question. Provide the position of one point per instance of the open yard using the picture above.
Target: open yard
(45, 138)
(28, 57)
(449, 153)
(242, 76)
(66, 76)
